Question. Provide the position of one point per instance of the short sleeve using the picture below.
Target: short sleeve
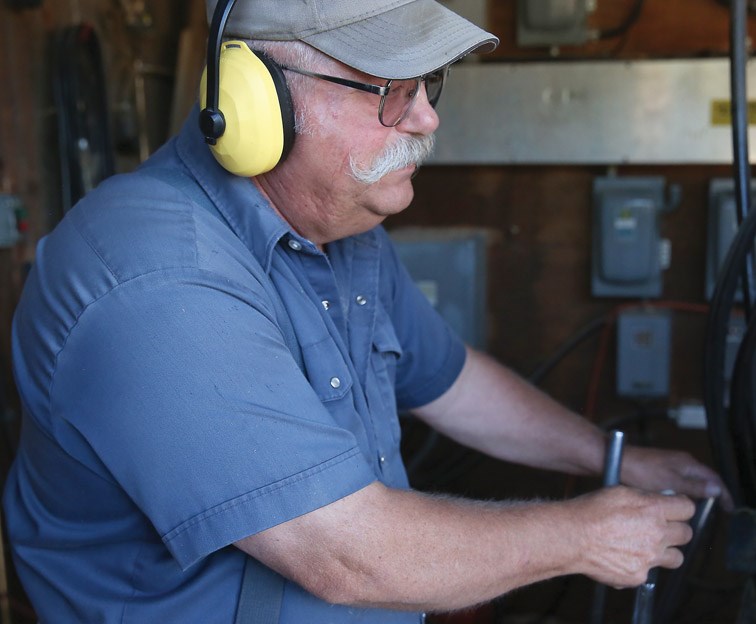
(432, 353)
(181, 384)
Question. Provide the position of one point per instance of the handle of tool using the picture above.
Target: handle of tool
(612, 468)
(613, 458)
(643, 610)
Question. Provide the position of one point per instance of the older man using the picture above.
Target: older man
(211, 366)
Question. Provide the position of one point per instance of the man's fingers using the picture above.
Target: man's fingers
(671, 558)
(677, 508)
(678, 534)
(702, 482)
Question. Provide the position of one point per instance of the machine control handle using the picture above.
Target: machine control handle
(612, 468)
(613, 458)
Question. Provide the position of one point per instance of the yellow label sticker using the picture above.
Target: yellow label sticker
(721, 113)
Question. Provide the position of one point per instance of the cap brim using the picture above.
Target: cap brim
(409, 41)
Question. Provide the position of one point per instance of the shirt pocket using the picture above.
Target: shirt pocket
(326, 370)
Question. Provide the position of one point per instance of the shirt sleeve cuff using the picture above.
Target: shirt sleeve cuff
(267, 507)
(440, 382)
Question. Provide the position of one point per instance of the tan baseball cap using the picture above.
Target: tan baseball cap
(385, 38)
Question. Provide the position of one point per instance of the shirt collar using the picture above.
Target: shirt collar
(247, 212)
(242, 205)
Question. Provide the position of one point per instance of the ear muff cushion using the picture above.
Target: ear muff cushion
(259, 122)
(284, 102)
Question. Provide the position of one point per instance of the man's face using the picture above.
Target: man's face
(322, 189)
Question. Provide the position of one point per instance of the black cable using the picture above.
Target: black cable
(743, 406)
(582, 334)
(632, 17)
(720, 309)
(739, 108)
(466, 459)
(671, 597)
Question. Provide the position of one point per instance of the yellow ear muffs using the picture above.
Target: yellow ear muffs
(256, 105)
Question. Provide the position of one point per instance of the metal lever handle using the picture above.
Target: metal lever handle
(612, 468)
(613, 459)
(643, 609)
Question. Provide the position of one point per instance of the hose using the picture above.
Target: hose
(720, 428)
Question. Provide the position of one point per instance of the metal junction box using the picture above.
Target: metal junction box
(552, 22)
(643, 353)
(722, 226)
(449, 267)
(628, 252)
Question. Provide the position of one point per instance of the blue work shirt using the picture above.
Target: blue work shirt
(165, 416)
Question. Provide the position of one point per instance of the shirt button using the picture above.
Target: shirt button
(335, 382)
(295, 244)
(361, 300)
(326, 304)
(382, 459)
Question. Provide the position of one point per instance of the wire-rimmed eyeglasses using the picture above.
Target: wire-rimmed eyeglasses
(397, 96)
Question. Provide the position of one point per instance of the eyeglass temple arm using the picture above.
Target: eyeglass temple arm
(362, 86)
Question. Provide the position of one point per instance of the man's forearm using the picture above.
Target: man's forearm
(495, 411)
(404, 550)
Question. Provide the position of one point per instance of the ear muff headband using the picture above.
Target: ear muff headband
(247, 116)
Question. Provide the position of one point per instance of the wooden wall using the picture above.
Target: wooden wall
(540, 287)
(143, 45)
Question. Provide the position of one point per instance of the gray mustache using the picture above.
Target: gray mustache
(406, 151)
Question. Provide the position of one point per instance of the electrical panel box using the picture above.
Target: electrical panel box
(629, 254)
(643, 353)
(449, 267)
(552, 22)
(10, 208)
(722, 226)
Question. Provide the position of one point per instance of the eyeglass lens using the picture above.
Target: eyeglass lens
(398, 102)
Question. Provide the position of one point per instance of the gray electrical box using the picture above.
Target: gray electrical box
(552, 22)
(449, 267)
(629, 254)
(10, 206)
(643, 353)
(721, 229)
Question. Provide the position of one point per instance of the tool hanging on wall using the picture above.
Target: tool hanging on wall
(84, 135)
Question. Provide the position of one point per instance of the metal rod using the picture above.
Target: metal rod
(643, 609)
(612, 468)
(613, 458)
(673, 587)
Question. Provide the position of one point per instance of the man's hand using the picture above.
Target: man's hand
(625, 532)
(658, 470)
